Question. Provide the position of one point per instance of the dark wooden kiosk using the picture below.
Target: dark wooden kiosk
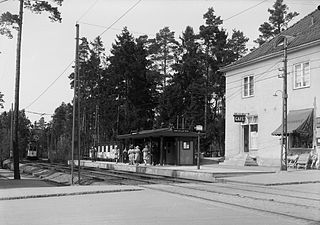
(167, 145)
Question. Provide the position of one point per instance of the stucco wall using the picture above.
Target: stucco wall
(265, 105)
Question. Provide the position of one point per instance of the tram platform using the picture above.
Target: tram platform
(206, 172)
(218, 173)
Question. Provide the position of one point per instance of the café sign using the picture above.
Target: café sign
(239, 117)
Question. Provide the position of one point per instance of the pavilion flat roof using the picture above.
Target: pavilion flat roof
(162, 132)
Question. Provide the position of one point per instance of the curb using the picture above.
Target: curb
(69, 194)
(219, 180)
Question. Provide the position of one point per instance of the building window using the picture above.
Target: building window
(301, 75)
(248, 86)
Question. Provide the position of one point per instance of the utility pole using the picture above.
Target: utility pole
(16, 98)
(284, 146)
(75, 85)
(314, 140)
(11, 132)
(206, 89)
(79, 122)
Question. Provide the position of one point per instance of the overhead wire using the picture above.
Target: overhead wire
(109, 27)
(118, 29)
(239, 87)
(87, 11)
(50, 85)
(249, 70)
(39, 113)
(243, 11)
(123, 15)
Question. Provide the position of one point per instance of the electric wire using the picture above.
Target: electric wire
(117, 29)
(123, 15)
(109, 27)
(243, 11)
(50, 85)
(87, 11)
(289, 59)
(39, 113)
(239, 87)
(260, 75)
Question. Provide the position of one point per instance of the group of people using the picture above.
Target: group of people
(133, 155)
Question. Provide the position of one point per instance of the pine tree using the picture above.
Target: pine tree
(129, 69)
(8, 22)
(278, 21)
(162, 52)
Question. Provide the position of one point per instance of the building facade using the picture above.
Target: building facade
(254, 89)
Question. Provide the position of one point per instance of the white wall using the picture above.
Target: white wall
(265, 105)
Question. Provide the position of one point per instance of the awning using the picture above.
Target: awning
(298, 121)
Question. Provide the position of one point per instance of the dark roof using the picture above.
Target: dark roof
(305, 32)
(162, 132)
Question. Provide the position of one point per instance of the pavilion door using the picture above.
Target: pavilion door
(170, 152)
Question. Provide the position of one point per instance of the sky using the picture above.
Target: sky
(48, 49)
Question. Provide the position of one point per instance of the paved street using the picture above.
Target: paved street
(34, 201)
(136, 207)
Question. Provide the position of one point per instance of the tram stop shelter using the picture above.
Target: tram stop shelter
(167, 145)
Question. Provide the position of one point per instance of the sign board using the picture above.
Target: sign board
(239, 118)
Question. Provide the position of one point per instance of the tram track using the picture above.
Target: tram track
(288, 209)
(301, 206)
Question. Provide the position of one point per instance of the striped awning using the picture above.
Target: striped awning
(298, 121)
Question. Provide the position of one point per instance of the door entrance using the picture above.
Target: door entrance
(170, 152)
(246, 138)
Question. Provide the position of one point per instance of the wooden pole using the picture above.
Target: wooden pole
(16, 102)
(74, 102)
(314, 140)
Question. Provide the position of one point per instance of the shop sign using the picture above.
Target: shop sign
(239, 117)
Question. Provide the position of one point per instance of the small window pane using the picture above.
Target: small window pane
(251, 90)
(186, 145)
(245, 87)
(297, 76)
(306, 75)
(254, 128)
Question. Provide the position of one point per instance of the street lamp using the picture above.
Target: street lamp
(199, 128)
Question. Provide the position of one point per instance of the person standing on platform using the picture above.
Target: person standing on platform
(117, 154)
(125, 156)
(137, 155)
(131, 155)
(146, 154)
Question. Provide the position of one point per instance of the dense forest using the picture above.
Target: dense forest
(146, 83)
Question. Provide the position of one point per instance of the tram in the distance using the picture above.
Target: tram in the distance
(32, 152)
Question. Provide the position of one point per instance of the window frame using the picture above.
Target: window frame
(247, 86)
(302, 75)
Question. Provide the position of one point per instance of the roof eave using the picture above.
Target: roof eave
(269, 56)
